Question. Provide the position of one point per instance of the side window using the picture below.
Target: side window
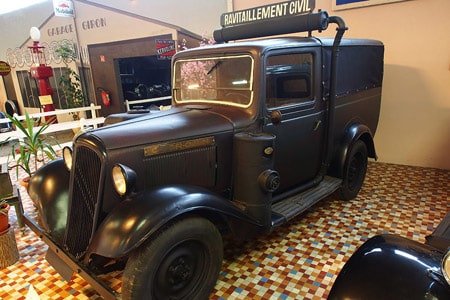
(288, 79)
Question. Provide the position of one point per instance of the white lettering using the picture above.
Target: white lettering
(293, 7)
(298, 7)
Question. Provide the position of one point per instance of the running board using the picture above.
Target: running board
(291, 207)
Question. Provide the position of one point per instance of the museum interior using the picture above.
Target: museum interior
(71, 69)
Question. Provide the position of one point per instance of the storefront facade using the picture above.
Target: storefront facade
(125, 54)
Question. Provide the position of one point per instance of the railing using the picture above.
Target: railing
(128, 103)
(82, 123)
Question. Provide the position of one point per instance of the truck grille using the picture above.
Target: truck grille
(196, 166)
(85, 184)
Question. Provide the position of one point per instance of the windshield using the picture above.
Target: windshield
(223, 80)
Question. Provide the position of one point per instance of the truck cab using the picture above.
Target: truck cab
(259, 131)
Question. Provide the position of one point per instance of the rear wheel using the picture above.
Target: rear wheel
(182, 262)
(354, 171)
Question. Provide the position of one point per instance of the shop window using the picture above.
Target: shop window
(29, 87)
(87, 86)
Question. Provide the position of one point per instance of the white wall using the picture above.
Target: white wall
(414, 127)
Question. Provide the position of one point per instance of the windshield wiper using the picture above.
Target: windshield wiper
(214, 67)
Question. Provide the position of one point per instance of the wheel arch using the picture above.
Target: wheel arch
(353, 133)
(137, 218)
(49, 190)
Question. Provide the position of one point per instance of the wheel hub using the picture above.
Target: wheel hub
(179, 271)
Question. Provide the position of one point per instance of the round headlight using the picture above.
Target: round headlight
(123, 178)
(67, 156)
(446, 266)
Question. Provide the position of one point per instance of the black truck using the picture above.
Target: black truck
(259, 130)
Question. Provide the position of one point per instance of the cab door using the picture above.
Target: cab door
(295, 114)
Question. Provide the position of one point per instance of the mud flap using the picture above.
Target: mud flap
(59, 265)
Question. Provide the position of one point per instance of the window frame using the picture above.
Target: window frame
(302, 102)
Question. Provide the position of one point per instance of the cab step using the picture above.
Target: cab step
(285, 210)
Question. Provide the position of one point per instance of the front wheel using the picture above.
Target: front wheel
(182, 262)
(354, 171)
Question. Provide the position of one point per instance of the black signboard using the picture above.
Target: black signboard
(271, 11)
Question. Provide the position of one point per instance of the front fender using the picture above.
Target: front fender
(49, 190)
(138, 217)
(392, 267)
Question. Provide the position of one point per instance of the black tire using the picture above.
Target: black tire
(354, 171)
(182, 262)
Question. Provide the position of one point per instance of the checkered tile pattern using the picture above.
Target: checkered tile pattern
(300, 260)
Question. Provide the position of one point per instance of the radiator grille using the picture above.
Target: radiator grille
(85, 184)
(197, 167)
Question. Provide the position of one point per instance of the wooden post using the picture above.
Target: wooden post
(9, 254)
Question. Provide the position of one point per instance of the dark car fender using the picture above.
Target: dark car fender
(353, 133)
(48, 188)
(136, 218)
(392, 267)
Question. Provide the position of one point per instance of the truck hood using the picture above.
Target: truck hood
(176, 123)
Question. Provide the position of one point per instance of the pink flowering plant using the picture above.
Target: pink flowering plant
(225, 80)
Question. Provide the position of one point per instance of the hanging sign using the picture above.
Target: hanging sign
(5, 69)
(63, 8)
(271, 11)
(165, 49)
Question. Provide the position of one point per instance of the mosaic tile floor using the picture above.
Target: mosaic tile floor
(298, 261)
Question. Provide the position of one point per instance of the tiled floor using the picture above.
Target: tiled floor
(298, 261)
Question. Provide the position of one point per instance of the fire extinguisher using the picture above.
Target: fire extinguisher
(106, 97)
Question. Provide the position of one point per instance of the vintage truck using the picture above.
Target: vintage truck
(260, 130)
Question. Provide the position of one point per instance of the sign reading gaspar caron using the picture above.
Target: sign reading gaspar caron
(271, 11)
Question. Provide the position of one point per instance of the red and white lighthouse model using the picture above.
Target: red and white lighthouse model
(41, 71)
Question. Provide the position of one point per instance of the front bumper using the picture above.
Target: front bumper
(66, 265)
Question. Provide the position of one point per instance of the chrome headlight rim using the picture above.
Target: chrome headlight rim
(67, 154)
(123, 178)
(445, 266)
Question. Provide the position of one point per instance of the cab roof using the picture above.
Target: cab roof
(266, 44)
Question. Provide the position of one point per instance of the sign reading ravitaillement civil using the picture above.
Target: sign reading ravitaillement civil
(271, 11)
(63, 8)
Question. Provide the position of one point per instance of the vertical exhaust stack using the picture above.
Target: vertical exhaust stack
(254, 181)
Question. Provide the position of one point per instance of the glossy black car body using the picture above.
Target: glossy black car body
(258, 132)
(394, 267)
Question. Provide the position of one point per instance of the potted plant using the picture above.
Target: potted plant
(70, 81)
(4, 217)
(6, 192)
(31, 151)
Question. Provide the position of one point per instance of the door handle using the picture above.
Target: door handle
(317, 125)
